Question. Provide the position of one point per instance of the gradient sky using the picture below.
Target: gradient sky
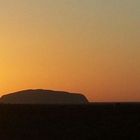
(86, 46)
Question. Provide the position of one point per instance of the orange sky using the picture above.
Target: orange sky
(91, 47)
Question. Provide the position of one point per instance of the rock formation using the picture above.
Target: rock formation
(40, 96)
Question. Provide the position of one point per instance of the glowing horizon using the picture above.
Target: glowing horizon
(91, 47)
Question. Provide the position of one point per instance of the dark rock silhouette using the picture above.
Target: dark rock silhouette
(40, 96)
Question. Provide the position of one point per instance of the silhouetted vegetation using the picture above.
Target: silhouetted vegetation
(70, 122)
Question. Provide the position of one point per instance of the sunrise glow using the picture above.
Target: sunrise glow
(86, 46)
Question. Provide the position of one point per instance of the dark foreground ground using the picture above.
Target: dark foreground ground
(70, 122)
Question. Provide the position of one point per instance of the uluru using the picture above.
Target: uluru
(40, 96)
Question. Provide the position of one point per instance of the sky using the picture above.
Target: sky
(84, 46)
